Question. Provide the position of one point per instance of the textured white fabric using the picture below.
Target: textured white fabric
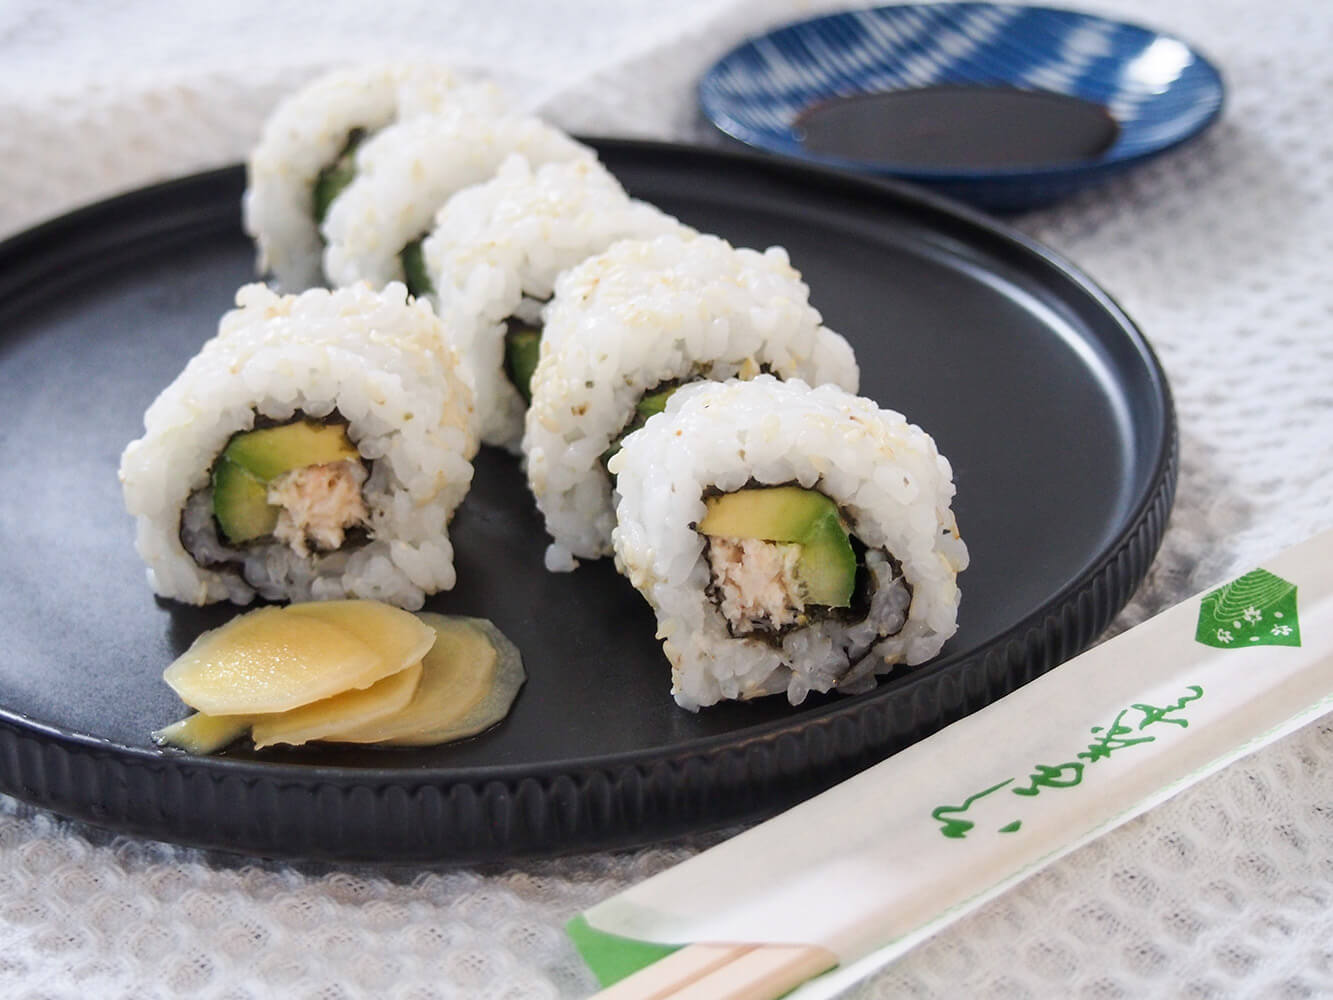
(1222, 252)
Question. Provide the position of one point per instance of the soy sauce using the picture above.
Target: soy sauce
(959, 128)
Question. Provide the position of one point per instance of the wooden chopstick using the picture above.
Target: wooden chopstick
(724, 972)
(763, 973)
(661, 979)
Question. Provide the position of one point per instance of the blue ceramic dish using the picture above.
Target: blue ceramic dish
(1159, 91)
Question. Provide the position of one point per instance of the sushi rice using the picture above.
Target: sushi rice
(888, 480)
(497, 249)
(407, 171)
(380, 362)
(307, 132)
(644, 313)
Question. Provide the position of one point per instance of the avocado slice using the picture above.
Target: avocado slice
(415, 276)
(648, 405)
(523, 347)
(336, 176)
(826, 568)
(240, 503)
(266, 454)
(652, 404)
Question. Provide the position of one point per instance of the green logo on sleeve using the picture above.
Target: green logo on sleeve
(1258, 609)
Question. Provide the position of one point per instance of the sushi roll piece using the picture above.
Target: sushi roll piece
(789, 539)
(493, 258)
(624, 330)
(306, 154)
(405, 173)
(315, 448)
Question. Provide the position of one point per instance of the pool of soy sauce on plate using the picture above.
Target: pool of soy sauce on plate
(958, 128)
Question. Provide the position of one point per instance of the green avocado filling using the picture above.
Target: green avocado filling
(523, 348)
(240, 503)
(415, 276)
(649, 404)
(826, 567)
(253, 459)
(337, 175)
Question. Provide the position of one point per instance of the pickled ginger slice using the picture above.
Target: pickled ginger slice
(469, 680)
(351, 708)
(270, 660)
(200, 733)
(397, 635)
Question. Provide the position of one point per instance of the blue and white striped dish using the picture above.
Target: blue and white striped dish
(1159, 90)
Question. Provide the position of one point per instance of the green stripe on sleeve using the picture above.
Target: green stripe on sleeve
(611, 957)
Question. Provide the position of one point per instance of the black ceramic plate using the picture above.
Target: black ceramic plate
(1049, 403)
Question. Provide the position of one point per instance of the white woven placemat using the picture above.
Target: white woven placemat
(1222, 252)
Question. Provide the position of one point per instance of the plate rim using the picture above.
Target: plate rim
(715, 107)
(1044, 638)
